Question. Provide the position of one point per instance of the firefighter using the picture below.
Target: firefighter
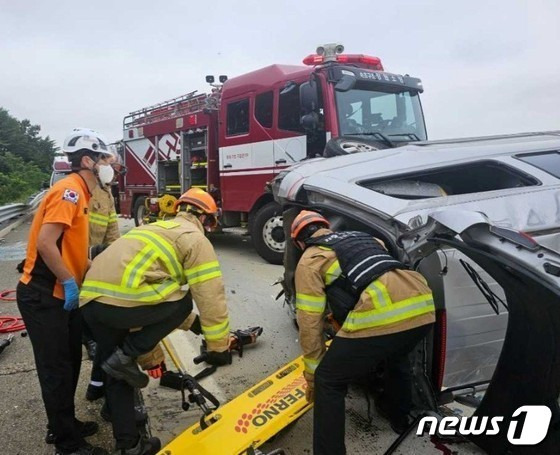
(103, 230)
(138, 282)
(47, 294)
(381, 310)
(103, 224)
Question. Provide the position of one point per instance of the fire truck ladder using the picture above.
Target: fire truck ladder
(174, 107)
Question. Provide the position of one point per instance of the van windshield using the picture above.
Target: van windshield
(397, 116)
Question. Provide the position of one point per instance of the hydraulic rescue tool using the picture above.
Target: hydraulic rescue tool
(237, 340)
(6, 342)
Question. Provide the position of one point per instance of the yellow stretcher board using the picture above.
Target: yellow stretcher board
(250, 419)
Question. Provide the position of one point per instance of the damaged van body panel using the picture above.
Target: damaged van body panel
(390, 193)
(528, 369)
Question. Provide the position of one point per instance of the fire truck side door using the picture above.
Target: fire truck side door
(291, 144)
(246, 156)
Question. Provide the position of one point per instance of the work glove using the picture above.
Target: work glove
(71, 294)
(218, 358)
(157, 371)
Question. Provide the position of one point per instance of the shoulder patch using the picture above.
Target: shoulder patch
(71, 196)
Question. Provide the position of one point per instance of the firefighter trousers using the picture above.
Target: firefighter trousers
(97, 374)
(55, 336)
(350, 360)
(110, 326)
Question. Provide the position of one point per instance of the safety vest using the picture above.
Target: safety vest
(361, 260)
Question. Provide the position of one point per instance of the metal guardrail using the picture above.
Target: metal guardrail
(9, 211)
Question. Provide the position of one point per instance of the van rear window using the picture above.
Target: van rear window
(468, 178)
(546, 161)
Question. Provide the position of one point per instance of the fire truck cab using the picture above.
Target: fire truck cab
(235, 140)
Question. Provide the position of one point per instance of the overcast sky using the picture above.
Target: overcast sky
(487, 66)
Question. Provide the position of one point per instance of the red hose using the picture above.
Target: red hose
(5, 293)
(10, 323)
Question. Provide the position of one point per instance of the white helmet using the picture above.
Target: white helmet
(84, 138)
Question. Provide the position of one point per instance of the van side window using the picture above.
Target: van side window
(263, 109)
(289, 110)
(476, 177)
(238, 117)
(545, 161)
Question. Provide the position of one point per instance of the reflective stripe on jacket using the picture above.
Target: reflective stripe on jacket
(151, 263)
(398, 300)
(103, 223)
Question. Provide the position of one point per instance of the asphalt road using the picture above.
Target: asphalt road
(248, 281)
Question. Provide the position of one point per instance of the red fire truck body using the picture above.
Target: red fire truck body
(236, 139)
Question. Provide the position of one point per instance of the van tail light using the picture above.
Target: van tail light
(521, 239)
(440, 348)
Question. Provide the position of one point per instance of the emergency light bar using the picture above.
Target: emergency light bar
(367, 60)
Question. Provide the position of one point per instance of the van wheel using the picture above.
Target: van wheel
(139, 210)
(267, 233)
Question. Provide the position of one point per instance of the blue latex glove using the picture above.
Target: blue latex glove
(71, 294)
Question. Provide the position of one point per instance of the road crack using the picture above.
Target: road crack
(16, 368)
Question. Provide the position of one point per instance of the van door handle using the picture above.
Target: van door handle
(227, 166)
(280, 161)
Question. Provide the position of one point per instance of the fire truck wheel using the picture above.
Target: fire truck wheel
(267, 233)
(139, 210)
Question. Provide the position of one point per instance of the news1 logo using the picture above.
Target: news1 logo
(528, 425)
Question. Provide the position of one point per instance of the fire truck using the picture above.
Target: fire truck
(60, 167)
(234, 140)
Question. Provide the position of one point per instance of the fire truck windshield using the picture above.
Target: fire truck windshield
(397, 116)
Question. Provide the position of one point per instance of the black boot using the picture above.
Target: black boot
(399, 423)
(86, 429)
(95, 392)
(149, 446)
(125, 368)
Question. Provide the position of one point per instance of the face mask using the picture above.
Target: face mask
(105, 174)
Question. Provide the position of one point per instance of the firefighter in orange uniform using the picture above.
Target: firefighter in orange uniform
(382, 311)
(145, 288)
(47, 295)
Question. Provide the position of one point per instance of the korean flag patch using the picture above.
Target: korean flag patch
(71, 196)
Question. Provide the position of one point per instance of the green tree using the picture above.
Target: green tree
(18, 179)
(25, 158)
